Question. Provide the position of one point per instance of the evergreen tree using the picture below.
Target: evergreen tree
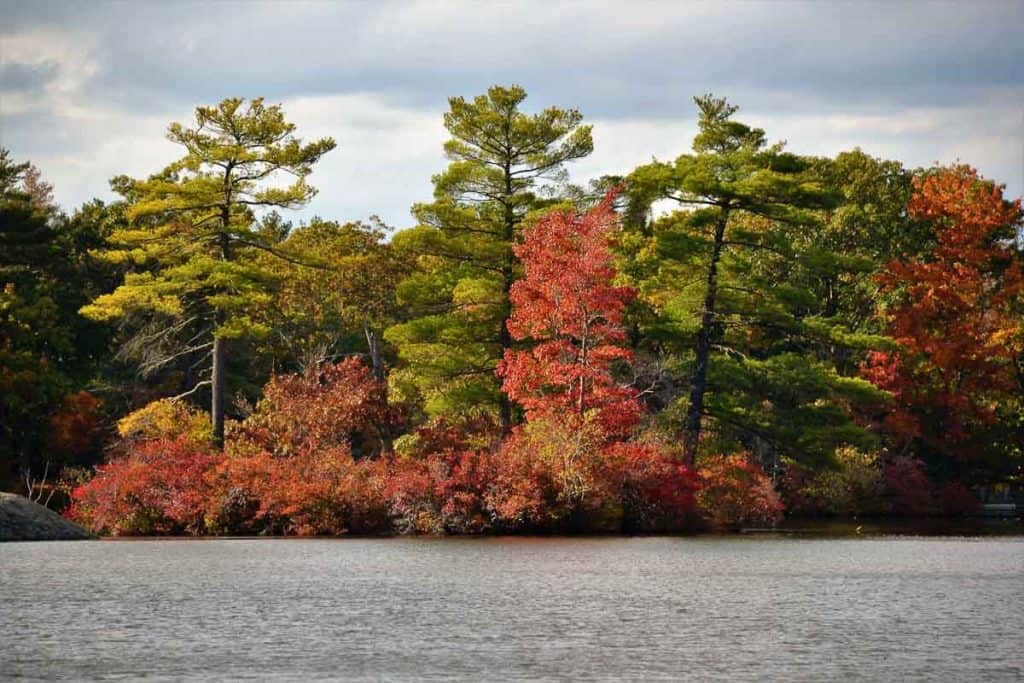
(192, 233)
(504, 162)
(47, 351)
(728, 286)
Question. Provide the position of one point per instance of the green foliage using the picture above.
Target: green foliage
(765, 301)
(190, 246)
(505, 163)
(733, 285)
(46, 350)
(336, 298)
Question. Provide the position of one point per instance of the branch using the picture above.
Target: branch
(191, 391)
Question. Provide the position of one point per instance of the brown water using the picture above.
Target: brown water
(726, 608)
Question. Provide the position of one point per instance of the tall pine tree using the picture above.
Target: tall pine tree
(504, 163)
(192, 234)
(729, 289)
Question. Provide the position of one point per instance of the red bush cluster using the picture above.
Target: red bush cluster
(734, 491)
(161, 487)
(548, 476)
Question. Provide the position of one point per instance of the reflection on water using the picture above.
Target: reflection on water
(728, 608)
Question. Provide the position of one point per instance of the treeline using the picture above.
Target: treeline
(708, 340)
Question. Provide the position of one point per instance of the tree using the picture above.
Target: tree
(30, 332)
(957, 312)
(192, 235)
(567, 306)
(503, 164)
(340, 307)
(724, 282)
(48, 353)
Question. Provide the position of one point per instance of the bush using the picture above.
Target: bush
(854, 487)
(908, 489)
(159, 487)
(658, 493)
(735, 491)
(165, 419)
(307, 494)
(550, 477)
(334, 405)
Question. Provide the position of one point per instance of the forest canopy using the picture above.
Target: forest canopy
(710, 339)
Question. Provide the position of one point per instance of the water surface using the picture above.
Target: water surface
(727, 608)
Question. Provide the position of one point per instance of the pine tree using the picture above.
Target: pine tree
(192, 233)
(728, 286)
(503, 164)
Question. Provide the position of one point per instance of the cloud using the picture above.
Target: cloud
(86, 90)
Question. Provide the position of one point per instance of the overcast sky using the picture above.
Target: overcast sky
(87, 89)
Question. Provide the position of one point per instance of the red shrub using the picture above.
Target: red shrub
(735, 491)
(908, 488)
(328, 407)
(549, 475)
(159, 487)
(658, 493)
(326, 492)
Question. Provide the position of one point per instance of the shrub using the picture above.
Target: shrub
(308, 493)
(549, 476)
(908, 489)
(469, 432)
(854, 487)
(160, 486)
(735, 491)
(165, 419)
(334, 405)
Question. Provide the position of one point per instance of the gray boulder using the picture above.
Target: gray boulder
(23, 520)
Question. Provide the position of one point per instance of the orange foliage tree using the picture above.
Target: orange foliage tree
(956, 313)
(572, 465)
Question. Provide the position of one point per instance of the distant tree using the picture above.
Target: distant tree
(503, 161)
(340, 307)
(48, 353)
(192, 235)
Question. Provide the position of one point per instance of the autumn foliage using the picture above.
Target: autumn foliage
(956, 314)
(290, 465)
(314, 455)
(161, 486)
(567, 306)
(734, 492)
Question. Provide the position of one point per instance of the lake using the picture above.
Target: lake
(709, 607)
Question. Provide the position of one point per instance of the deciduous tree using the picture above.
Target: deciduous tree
(567, 308)
(957, 312)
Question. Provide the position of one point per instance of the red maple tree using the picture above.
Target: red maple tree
(567, 305)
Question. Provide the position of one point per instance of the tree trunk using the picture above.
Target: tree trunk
(219, 350)
(217, 380)
(705, 339)
(373, 344)
(504, 336)
(387, 441)
(505, 342)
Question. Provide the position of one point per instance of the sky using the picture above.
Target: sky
(87, 89)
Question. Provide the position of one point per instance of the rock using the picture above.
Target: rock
(23, 520)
